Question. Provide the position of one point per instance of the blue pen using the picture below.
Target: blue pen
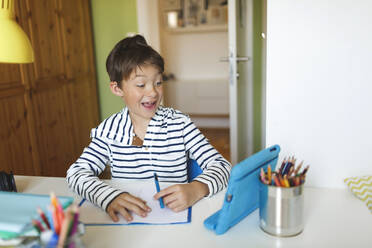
(158, 189)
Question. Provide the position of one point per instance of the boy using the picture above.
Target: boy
(145, 138)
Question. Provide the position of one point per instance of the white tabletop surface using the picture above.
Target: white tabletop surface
(333, 218)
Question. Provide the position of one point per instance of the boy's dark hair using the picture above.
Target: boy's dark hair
(128, 54)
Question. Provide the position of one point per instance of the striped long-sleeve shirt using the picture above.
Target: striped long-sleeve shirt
(170, 141)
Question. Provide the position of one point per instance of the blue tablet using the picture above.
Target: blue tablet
(242, 196)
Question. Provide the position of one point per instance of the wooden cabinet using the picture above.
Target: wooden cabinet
(47, 108)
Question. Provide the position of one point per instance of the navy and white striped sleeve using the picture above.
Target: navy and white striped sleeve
(82, 176)
(216, 169)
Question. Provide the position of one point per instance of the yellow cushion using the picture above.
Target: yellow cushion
(361, 187)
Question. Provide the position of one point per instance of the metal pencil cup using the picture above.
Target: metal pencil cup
(281, 210)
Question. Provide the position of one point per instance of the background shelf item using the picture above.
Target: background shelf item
(198, 29)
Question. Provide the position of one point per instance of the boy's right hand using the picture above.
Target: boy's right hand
(126, 203)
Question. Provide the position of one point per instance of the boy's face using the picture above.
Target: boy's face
(142, 92)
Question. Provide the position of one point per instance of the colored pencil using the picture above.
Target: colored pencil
(43, 217)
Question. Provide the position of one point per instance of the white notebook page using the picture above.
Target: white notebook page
(144, 189)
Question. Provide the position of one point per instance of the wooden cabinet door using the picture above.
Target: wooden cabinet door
(15, 144)
(80, 69)
(47, 108)
(49, 98)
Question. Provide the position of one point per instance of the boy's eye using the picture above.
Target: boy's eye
(158, 83)
(140, 85)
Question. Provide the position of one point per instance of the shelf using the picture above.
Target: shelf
(200, 81)
(199, 29)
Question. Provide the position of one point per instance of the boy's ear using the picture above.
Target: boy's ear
(115, 89)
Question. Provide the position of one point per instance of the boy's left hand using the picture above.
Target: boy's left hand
(181, 196)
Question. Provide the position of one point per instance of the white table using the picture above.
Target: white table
(333, 218)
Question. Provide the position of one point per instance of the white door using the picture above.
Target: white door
(241, 88)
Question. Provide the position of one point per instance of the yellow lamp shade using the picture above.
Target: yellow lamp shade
(15, 47)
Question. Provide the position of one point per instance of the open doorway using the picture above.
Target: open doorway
(193, 38)
(193, 42)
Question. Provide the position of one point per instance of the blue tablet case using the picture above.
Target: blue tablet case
(242, 196)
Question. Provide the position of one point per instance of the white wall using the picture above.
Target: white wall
(319, 85)
(148, 23)
(208, 96)
(194, 56)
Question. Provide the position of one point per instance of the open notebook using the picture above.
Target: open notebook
(144, 189)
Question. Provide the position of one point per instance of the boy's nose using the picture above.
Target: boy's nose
(151, 91)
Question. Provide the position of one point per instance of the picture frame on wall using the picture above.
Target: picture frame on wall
(217, 14)
(172, 5)
(194, 12)
(188, 13)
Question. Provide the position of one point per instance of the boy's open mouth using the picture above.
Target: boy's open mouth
(149, 105)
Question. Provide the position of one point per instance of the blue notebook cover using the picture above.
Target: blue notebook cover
(193, 170)
(242, 196)
(18, 209)
(111, 223)
(92, 215)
